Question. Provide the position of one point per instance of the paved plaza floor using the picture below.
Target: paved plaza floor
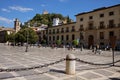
(16, 57)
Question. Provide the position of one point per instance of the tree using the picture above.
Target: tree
(6, 37)
(68, 19)
(58, 42)
(19, 38)
(22, 35)
(30, 34)
(75, 43)
(11, 37)
(46, 19)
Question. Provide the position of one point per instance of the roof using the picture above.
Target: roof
(62, 25)
(6, 29)
(98, 9)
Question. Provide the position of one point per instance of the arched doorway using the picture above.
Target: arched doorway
(90, 40)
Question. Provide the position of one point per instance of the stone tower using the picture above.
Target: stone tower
(16, 25)
(45, 12)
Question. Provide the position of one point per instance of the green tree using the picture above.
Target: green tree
(58, 42)
(19, 38)
(46, 19)
(11, 37)
(6, 37)
(75, 43)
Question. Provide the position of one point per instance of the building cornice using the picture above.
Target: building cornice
(98, 9)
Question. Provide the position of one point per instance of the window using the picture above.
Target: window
(62, 37)
(57, 30)
(81, 27)
(111, 33)
(90, 17)
(90, 26)
(53, 31)
(73, 28)
(49, 38)
(73, 37)
(102, 25)
(111, 13)
(101, 15)
(111, 23)
(67, 37)
(49, 31)
(57, 37)
(53, 38)
(81, 19)
(67, 29)
(62, 30)
(101, 35)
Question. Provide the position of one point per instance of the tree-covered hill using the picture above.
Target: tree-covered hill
(47, 19)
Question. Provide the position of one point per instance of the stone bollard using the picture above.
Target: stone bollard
(70, 64)
(110, 49)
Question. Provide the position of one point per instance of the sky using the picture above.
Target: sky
(25, 10)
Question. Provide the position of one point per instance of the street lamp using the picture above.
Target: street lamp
(81, 40)
(26, 50)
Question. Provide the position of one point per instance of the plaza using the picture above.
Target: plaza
(15, 57)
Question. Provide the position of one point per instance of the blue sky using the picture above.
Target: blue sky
(27, 9)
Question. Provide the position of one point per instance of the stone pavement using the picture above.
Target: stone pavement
(16, 57)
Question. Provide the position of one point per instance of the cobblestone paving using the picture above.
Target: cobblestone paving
(16, 57)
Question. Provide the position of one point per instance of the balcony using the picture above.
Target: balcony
(111, 26)
(72, 30)
(81, 29)
(57, 31)
(91, 28)
(102, 27)
(67, 30)
(53, 32)
(49, 32)
(62, 31)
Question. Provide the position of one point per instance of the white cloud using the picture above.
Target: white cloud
(62, 0)
(43, 5)
(21, 9)
(6, 20)
(5, 10)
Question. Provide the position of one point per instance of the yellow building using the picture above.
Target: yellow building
(3, 32)
(97, 27)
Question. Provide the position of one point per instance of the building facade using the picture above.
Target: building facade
(97, 27)
(4, 32)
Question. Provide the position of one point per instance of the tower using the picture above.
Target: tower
(16, 25)
(45, 12)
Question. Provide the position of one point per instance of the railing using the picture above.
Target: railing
(91, 27)
(111, 26)
(53, 32)
(67, 30)
(72, 30)
(81, 29)
(62, 31)
(57, 31)
(102, 27)
(49, 32)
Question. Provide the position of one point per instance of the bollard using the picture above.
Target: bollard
(70, 64)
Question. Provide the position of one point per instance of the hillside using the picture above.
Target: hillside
(47, 19)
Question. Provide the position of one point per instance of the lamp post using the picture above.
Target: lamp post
(81, 40)
(26, 50)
